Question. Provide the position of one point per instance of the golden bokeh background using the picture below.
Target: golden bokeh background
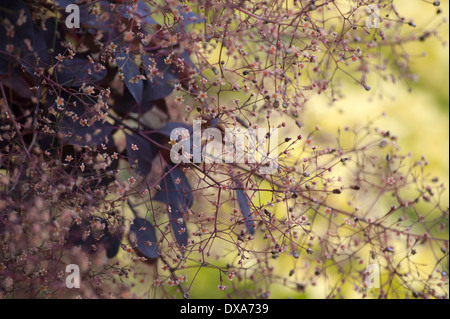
(418, 113)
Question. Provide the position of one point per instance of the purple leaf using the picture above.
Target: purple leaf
(176, 193)
(126, 105)
(159, 87)
(16, 82)
(143, 12)
(140, 150)
(131, 72)
(244, 205)
(92, 135)
(146, 241)
(103, 237)
(64, 3)
(90, 20)
(112, 245)
(74, 73)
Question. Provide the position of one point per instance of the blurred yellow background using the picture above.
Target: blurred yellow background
(420, 119)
